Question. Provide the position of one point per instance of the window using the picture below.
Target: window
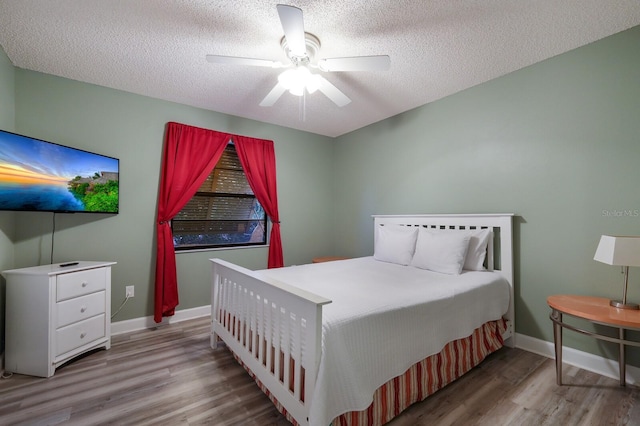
(223, 213)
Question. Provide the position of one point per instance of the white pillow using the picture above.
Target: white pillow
(477, 249)
(395, 244)
(443, 252)
(477, 252)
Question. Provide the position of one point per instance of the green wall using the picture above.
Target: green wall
(557, 143)
(131, 128)
(7, 219)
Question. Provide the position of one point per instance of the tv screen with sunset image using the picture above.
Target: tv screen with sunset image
(37, 175)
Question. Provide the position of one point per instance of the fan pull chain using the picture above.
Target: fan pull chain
(302, 106)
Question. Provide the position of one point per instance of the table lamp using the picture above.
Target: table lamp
(622, 251)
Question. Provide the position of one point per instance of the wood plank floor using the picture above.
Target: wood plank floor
(170, 376)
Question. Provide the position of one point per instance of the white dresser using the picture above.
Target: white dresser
(55, 313)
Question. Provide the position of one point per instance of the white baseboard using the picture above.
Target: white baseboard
(596, 364)
(148, 322)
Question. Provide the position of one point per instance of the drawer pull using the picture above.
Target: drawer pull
(84, 283)
(82, 335)
(82, 309)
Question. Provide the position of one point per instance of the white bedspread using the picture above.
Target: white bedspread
(384, 318)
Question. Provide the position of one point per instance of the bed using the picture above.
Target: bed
(359, 340)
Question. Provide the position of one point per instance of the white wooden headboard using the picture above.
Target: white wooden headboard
(499, 250)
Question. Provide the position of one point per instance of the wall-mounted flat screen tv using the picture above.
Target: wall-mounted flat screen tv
(37, 175)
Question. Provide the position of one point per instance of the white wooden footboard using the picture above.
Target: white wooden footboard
(275, 330)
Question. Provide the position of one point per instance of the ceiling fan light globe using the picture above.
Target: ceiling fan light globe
(295, 80)
(297, 91)
(313, 83)
(302, 74)
(287, 78)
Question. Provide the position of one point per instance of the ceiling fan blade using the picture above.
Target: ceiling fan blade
(332, 92)
(293, 27)
(273, 95)
(234, 60)
(356, 63)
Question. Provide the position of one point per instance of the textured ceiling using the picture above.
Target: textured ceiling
(437, 47)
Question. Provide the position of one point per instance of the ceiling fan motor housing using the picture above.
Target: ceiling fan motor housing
(313, 48)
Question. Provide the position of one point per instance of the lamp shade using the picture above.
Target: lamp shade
(623, 251)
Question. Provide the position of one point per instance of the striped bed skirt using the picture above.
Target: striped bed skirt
(420, 380)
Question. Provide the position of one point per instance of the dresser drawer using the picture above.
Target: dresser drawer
(79, 283)
(78, 334)
(80, 308)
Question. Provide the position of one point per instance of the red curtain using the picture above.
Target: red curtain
(259, 163)
(190, 153)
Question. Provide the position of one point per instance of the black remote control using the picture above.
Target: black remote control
(62, 265)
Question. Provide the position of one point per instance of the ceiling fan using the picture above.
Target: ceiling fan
(302, 48)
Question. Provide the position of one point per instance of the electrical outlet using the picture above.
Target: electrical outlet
(129, 292)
